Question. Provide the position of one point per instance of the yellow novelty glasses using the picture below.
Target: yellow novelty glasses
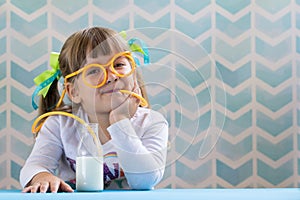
(95, 75)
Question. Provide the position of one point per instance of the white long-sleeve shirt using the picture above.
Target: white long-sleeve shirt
(135, 156)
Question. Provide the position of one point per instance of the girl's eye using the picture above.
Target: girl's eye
(93, 71)
(121, 62)
(119, 65)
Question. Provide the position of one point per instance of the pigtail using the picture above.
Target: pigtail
(48, 103)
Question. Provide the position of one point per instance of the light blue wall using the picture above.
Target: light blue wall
(255, 45)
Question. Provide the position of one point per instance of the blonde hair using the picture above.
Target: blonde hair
(92, 41)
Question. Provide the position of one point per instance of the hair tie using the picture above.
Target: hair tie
(135, 47)
(45, 79)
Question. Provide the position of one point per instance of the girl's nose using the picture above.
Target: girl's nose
(111, 77)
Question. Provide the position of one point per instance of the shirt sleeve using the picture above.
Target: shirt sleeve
(142, 158)
(46, 152)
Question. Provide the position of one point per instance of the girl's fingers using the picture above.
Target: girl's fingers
(137, 90)
(35, 187)
(65, 187)
(54, 186)
(44, 187)
(27, 189)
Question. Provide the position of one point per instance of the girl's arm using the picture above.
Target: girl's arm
(44, 159)
(141, 158)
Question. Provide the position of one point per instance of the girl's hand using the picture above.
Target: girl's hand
(44, 181)
(126, 109)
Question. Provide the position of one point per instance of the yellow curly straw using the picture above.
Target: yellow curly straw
(35, 128)
(143, 102)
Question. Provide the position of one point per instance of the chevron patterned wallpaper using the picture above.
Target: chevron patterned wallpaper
(233, 106)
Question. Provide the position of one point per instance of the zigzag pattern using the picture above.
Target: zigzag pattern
(3, 96)
(273, 118)
(269, 47)
(297, 71)
(224, 74)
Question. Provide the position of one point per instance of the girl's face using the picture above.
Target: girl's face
(107, 97)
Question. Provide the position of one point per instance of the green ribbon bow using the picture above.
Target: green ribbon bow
(45, 79)
(46, 75)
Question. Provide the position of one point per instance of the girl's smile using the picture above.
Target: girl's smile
(110, 91)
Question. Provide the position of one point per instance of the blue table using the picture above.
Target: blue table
(165, 194)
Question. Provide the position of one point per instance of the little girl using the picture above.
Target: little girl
(133, 138)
